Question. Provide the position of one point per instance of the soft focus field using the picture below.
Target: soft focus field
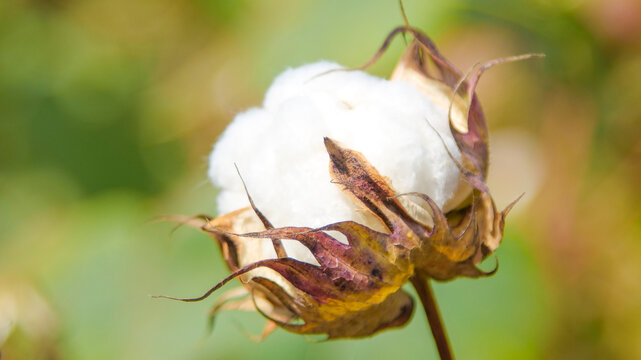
(109, 108)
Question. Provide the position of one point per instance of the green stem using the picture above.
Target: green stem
(424, 291)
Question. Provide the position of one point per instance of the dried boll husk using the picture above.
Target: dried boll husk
(355, 287)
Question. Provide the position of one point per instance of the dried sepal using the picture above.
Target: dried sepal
(355, 289)
(423, 66)
(360, 278)
(350, 279)
(442, 251)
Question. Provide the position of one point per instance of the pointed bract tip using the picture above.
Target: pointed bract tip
(511, 205)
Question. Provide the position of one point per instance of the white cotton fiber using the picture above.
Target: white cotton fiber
(280, 153)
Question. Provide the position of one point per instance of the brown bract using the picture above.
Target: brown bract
(355, 289)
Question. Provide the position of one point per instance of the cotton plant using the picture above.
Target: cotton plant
(343, 187)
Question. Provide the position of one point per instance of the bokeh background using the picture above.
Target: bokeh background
(108, 109)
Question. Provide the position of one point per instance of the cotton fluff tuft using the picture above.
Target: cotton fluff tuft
(280, 153)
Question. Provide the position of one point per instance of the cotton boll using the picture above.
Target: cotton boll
(280, 153)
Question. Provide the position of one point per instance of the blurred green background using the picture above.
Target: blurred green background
(109, 108)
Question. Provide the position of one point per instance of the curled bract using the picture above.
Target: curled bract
(354, 288)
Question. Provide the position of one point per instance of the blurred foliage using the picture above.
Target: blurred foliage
(108, 109)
